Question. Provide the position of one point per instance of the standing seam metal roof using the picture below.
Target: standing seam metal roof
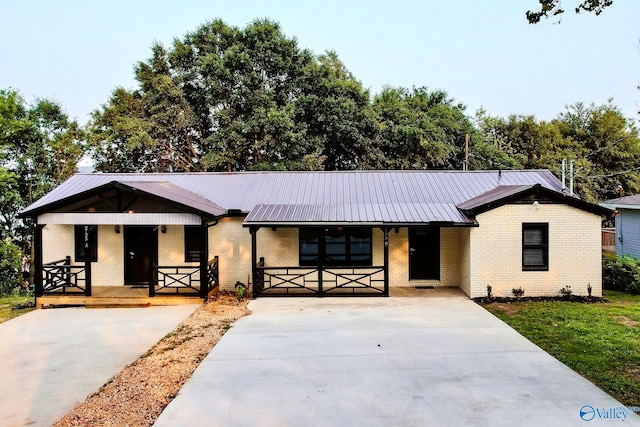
(345, 196)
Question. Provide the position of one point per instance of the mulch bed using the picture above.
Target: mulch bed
(571, 298)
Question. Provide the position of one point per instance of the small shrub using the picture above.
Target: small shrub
(489, 288)
(566, 291)
(517, 292)
(9, 267)
(589, 289)
(241, 290)
(621, 273)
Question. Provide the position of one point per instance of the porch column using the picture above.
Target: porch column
(88, 250)
(254, 259)
(204, 259)
(37, 259)
(386, 261)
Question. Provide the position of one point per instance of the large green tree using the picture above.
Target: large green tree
(422, 129)
(39, 148)
(224, 98)
(602, 143)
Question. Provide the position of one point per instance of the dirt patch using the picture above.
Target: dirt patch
(627, 321)
(138, 394)
(509, 309)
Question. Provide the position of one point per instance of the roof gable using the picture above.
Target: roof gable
(506, 194)
(162, 192)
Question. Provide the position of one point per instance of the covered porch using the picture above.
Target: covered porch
(137, 244)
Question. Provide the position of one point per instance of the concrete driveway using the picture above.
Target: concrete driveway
(50, 360)
(384, 362)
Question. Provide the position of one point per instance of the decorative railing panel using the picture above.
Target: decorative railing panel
(319, 281)
(213, 274)
(177, 279)
(62, 277)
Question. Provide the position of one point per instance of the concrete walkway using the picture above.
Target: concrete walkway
(50, 360)
(409, 361)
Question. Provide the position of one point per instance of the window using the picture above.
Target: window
(91, 232)
(535, 247)
(335, 246)
(192, 243)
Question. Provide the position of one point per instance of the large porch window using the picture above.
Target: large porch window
(340, 246)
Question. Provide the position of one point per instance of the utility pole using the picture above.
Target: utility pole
(571, 176)
(465, 164)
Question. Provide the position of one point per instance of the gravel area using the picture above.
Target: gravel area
(138, 394)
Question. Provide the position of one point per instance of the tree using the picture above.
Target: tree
(336, 114)
(221, 99)
(422, 129)
(554, 8)
(39, 148)
(603, 144)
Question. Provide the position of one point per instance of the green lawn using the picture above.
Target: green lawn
(601, 341)
(7, 303)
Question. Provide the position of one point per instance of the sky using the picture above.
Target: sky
(483, 53)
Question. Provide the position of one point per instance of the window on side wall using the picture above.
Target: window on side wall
(192, 243)
(79, 239)
(535, 246)
(339, 246)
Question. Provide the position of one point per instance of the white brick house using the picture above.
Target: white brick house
(317, 233)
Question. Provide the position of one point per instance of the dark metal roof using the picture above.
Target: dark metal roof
(494, 195)
(347, 196)
(175, 194)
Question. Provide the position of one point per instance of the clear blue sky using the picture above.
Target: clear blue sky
(483, 53)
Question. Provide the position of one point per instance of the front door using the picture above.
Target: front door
(424, 253)
(140, 253)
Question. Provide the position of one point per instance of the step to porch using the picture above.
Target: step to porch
(114, 297)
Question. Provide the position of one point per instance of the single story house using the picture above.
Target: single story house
(627, 221)
(317, 233)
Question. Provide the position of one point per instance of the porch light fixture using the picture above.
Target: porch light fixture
(117, 229)
(536, 204)
(130, 211)
(163, 229)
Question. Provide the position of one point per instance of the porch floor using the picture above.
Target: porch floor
(115, 296)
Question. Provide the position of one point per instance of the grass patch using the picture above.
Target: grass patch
(7, 302)
(600, 341)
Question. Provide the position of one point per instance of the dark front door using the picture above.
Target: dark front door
(140, 253)
(424, 253)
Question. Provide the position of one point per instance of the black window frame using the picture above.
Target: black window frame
(192, 238)
(544, 246)
(78, 239)
(352, 237)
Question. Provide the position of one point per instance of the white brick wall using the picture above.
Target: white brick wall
(574, 251)
(470, 258)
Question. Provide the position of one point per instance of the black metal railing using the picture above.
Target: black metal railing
(213, 274)
(62, 277)
(176, 279)
(319, 281)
